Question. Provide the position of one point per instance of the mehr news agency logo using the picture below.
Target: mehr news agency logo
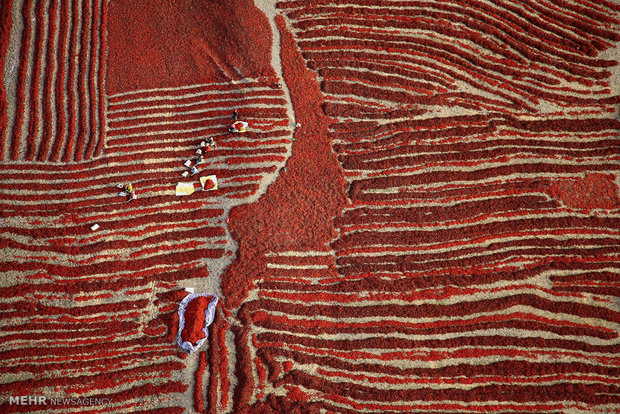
(64, 401)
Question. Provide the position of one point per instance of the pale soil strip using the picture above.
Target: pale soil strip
(508, 291)
(505, 290)
(23, 133)
(503, 217)
(527, 151)
(121, 374)
(110, 255)
(177, 101)
(88, 103)
(181, 88)
(10, 75)
(298, 267)
(376, 355)
(135, 315)
(268, 8)
(512, 162)
(75, 82)
(247, 102)
(459, 83)
(510, 263)
(384, 382)
(401, 134)
(124, 381)
(396, 256)
(374, 298)
(31, 276)
(580, 174)
(474, 332)
(171, 111)
(144, 194)
(521, 234)
(105, 236)
(358, 100)
(63, 259)
(208, 223)
(57, 220)
(351, 8)
(97, 132)
(417, 33)
(129, 273)
(123, 315)
(454, 406)
(49, 342)
(65, 102)
(132, 357)
(89, 385)
(514, 159)
(392, 252)
(501, 134)
(509, 253)
(155, 98)
(599, 7)
(364, 82)
(209, 161)
(450, 201)
(43, 72)
(53, 125)
(577, 88)
(99, 149)
(17, 167)
(180, 152)
(365, 175)
(416, 360)
(164, 123)
(295, 253)
(545, 106)
(409, 6)
(165, 143)
(389, 75)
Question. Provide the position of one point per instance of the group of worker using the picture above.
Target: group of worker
(205, 146)
(129, 192)
(237, 126)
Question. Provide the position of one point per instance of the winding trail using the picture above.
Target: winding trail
(440, 234)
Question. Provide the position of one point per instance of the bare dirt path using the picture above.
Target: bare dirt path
(218, 267)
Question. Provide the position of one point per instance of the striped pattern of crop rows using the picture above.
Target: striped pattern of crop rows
(93, 313)
(464, 279)
(56, 81)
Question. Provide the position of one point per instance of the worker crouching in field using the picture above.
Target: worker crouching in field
(129, 191)
(238, 126)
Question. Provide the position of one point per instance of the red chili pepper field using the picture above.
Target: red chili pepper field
(423, 215)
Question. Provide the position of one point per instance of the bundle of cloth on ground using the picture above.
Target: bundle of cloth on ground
(209, 316)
